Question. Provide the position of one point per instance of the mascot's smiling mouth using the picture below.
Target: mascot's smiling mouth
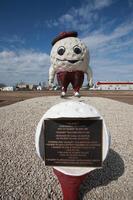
(71, 61)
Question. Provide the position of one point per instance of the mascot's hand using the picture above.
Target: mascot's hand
(50, 82)
(51, 85)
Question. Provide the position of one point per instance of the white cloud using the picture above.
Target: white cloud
(26, 65)
(99, 38)
(6, 54)
(13, 42)
(101, 4)
(66, 17)
(130, 2)
(12, 39)
(81, 18)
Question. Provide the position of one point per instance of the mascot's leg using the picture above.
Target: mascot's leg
(77, 81)
(63, 81)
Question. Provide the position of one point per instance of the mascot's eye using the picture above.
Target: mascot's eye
(61, 50)
(77, 49)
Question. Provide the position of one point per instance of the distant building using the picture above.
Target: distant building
(24, 86)
(2, 85)
(21, 86)
(7, 88)
(30, 86)
(39, 87)
(122, 85)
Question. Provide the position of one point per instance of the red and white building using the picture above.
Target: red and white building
(114, 85)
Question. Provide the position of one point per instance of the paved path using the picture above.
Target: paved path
(23, 175)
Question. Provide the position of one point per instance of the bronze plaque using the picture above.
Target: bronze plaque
(73, 142)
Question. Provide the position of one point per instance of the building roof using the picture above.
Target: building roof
(114, 83)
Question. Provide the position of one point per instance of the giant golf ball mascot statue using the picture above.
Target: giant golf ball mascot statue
(69, 61)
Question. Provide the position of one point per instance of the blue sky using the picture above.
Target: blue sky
(28, 27)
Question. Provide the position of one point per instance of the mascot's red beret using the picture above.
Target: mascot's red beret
(63, 35)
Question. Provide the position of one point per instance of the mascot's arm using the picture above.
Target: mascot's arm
(51, 76)
(89, 77)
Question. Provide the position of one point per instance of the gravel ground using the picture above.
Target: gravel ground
(23, 175)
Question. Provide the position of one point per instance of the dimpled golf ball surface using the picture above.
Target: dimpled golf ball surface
(63, 61)
(70, 109)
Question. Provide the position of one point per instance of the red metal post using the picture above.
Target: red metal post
(70, 185)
